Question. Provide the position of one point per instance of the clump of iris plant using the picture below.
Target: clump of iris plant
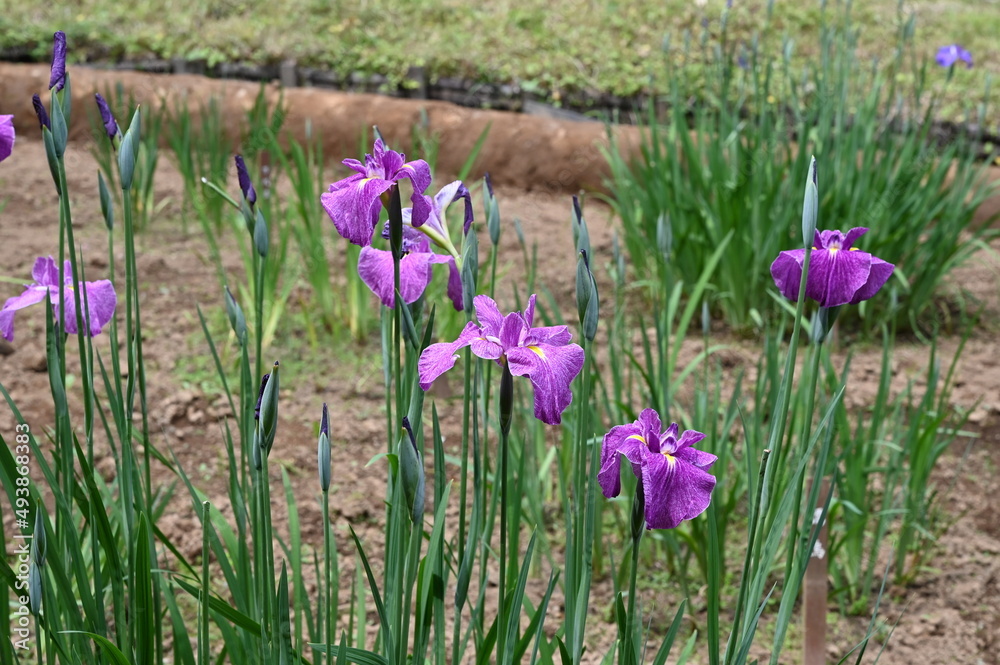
(6, 136)
(674, 474)
(839, 273)
(947, 56)
(543, 354)
(99, 298)
(375, 266)
(355, 202)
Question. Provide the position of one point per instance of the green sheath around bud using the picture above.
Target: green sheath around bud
(412, 471)
(236, 318)
(587, 300)
(269, 410)
(810, 205)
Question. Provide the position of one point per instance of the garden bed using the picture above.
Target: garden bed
(952, 611)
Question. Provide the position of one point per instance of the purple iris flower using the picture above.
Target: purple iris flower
(544, 355)
(110, 125)
(354, 203)
(839, 274)
(674, 475)
(949, 55)
(6, 136)
(375, 265)
(57, 78)
(100, 299)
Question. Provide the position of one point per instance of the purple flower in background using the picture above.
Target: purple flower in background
(673, 473)
(43, 115)
(110, 125)
(354, 203)
(6, 136)
(249, 193)
(375, 265)
(99, 298)
(544, 355)
(839, 274)
(57, 79)
(949, 55)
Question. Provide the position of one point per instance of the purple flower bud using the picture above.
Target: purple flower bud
(43, 115)
(58, 76)
(241, 171)
(260, 396)
(324, 423)
(110, 126)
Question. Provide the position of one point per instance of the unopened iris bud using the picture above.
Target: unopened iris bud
(412, 471)
(57, 77)
(36, 564)
(706, 322)
(236, 318)
(110, 125)
(823, 322)
(470, 271)
(810, 205)
(128, 152)
(492, 212)
(323, 451)
(261, 241)
(249, 193)
(506, 399)
(638, 513)
(664, 235)
(268, 409)
(587, 299)
(581, 236)
(43, 115)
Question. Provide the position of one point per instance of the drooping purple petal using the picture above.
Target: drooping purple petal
(675, 490)
(419, 174)
(98, 301)
(551, 370)
(375, 267)
(437, 359)
(835, 275)
(31, 296)
(455, 285)
(880, 273)
(620, 440)
(353, 205)
(787, 272)
(6, 136)
(57, 77)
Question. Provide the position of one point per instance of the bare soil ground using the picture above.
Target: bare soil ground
(950, 615)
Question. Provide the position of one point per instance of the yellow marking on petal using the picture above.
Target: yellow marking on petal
(637, 437)
(671, 460)
(363, 182)
(854, 249)
(832, 250)
(541, 354)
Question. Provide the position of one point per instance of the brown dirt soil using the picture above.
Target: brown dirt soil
(950, 615)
